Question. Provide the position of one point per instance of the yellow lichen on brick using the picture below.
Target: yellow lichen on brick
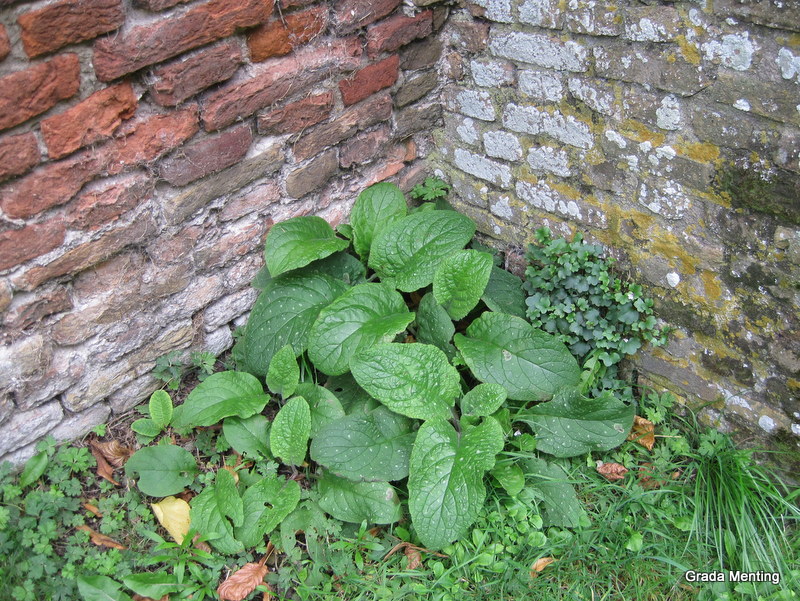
(702, 152)
(641, 133)
(711, 283)
(666, 245)
(689, 51)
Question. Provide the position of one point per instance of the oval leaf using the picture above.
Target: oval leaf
(249, 436)
(434, 325)
(283, 314)
(484, 399)
(551, 484)
(283, 373)
(162, 470)
(324, 405)
(298, 241)
(374, 446)
(210, 518)
(460, 280)
(504, 293)
(146, 427)
(34, 468)
(361, 317)
(355, 502)
(375, 208)
(413, 379)
(291, 428)
(445, 488)
(154, 585)
(529, 363)
(221, 395)
(100, 588)
(160, 408)
(410, 249)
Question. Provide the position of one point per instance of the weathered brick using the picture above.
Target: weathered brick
(185, 77)
(90, 253)
(417, 117)
(313, 175)
(369, 80)
(398, 31)
(652, 23)
(415, 88)
(233, 242)
(90, 120)
(17, 154)
(351, 15)
(5, 295)
(358, 117)
(18, 246)
(773, 13)
(493, 10)
(36, 308)
(93, 208)
(539, 49)
(589, 17)
(228, 308)
(543, 13)
(421, 54)
(25, 94)
(5, 44)
(68, 22)
(257, 200)
(472, 36)
(364, 147)
(156, 5)
(209, 155)
(281, 36)
(297, 116)
(483, 168)
(278, 79)
(148, 44)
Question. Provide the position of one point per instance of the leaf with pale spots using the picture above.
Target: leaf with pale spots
(221, 395)
(375, 502)
(375, 208)
(298, 241)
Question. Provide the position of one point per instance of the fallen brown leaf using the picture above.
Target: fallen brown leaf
(93, 509)
(647, 479)
(101, 540)
(243, 581)
(201, 545)
(115, 452)
(138, 597)
(540, 564)
(643, 432)
(612, 471)
(413, 556)
(104, 469)
(406, 546)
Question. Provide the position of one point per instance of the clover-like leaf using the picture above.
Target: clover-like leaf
(460, 280)
(375, 208)
(375, 502)
(221, 395)
(298, 241)
(291, 428)
(161, 470)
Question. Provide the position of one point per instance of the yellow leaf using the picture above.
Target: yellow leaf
(173, 514)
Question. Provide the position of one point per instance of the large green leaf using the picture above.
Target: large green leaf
(410, 249)
(484, 399)
(375, 502)
(266, 503)
(364, 315)
(551, 484)
(504, 293)
(216, 510)
(531, 364)
(153, 584)
(434, 325)
(353, 398)
(248, 436)
(375, 208)
(283, 314)
(412, 379)
(220, 395)
(161, 470)
(324, 405)
(288, 438)
(298, 241)
(373, 446)
(100, 588)
(339, 266)
(445, 485)
(283, 374)
(460, 280)
(572, 424)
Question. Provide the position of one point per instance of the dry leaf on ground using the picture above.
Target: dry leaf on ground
(611, 471)
(104, 469)
(91, 507)
(647, 477)
(243, 581)
(173, 514)
(413, 556)
(643, 432)
(115, 452)
(101, 540)
(540, 564)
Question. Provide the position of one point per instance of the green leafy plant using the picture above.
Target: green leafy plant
(171, 368)
(160, 409)
(432, 189)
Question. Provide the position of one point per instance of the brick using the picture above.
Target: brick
(17, 154)
(5, 44)
(398, 31)
(157, 5)
(94, 208)
(297, 116)
(25, 94)
(472, 36)
(415, 88)
(145, 45)
(422, 54)
(31, 241)
(281, 36)
(417, 117)
(538, 49)
(351, 15)
(369, 80)
(68, 22)
(37, 308)
(231, 244)
(185, 77)
(206, 156)
(5, 295)
(278, 79)
(90, 120)
(313, 175)
(356, 118)
(256, 200)
(364, 148)
(90, 253)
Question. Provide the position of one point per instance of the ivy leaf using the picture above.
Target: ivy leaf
(298, 241)
(434, 325)
(283, 314)
(504, 293)
(265, 504)
(413, 379)
(211, 509)
(375, 208)
(551, 484)
(160, 408)
(572, 424)
(445, 486)
(283, 374)
(506, 350)
(288, 438)
(410, 249)
(248, 436)
(161, 470)
(154, 585)
(324, 405)
(355, 502)
(364, 315)
(373, 446)
(483, 400)
(460, 280)
(100, 588)
(221, 395)
(34, 468)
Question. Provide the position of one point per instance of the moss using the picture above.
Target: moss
(687, 316)
(751, 190)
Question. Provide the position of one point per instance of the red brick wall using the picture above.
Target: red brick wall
(145, 149)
